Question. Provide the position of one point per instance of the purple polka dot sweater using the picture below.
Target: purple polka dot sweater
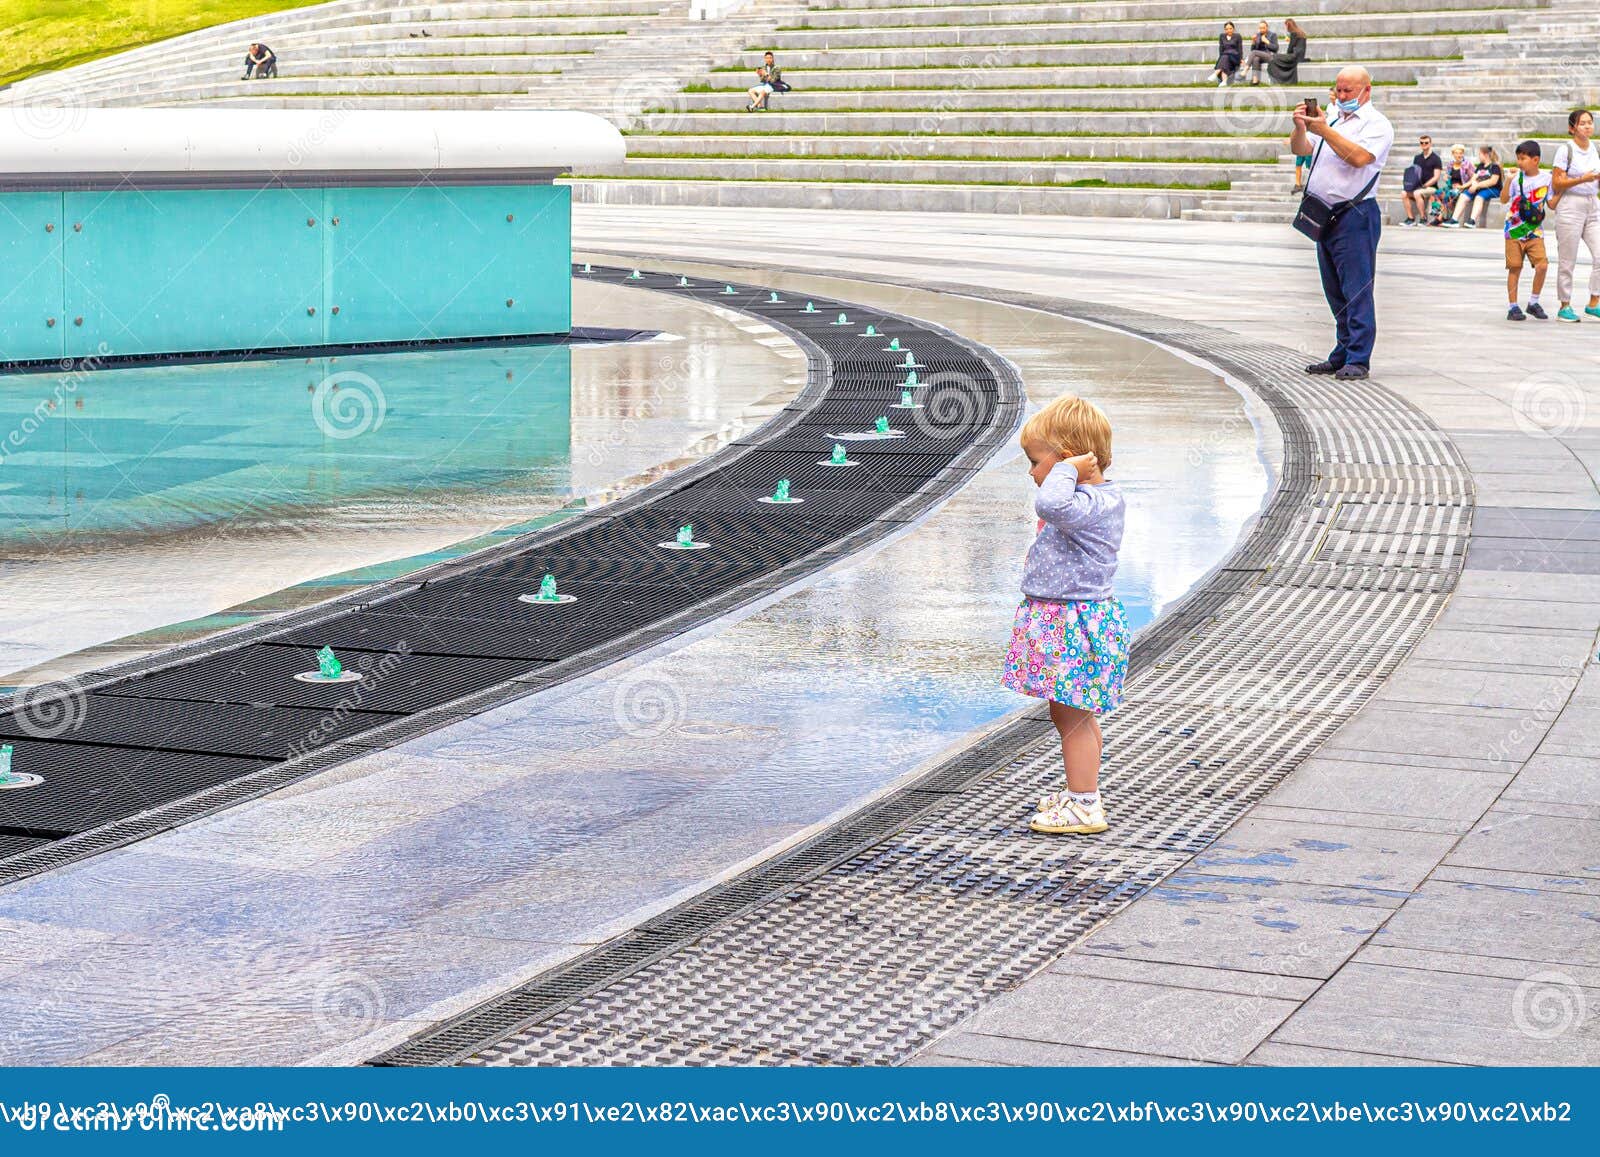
(1075, 555)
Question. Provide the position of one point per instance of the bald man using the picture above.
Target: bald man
(1352, 142)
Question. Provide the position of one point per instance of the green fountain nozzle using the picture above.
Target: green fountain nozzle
(781, 494)
(686, 534)
(5, 762)
(683, 283)
(773, 298)
(810, 308)
(840, 457)
(905, 399)
(881, 425)
(843, 320)
(547, 587)
(728, 291)
(894, 344)
(911, 359)
(328, 665)
(911, 378)
(587, 268)
(635, 276)
(872, 330)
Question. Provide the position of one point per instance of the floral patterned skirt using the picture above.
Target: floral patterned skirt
(1074, 653)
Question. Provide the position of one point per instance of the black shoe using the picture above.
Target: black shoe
(1537, 310)
(1350, 373)
(1515, 314)
(1324, 368)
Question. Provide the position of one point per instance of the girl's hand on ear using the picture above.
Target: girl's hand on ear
(1086, 464)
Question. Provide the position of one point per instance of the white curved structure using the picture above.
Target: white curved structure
(42, 147)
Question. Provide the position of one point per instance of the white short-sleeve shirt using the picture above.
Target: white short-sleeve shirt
(1332, 178)
(1578, 163)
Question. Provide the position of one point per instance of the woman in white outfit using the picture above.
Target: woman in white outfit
(1575, 180)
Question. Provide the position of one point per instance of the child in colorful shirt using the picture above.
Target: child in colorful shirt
(1069, 643)
(1525, 196)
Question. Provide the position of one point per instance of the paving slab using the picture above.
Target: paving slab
(1522, 841)
(1558, 779)
(1482, 734)
(1389, 862)
(974, 1048)
(1522, 923)
(1542, 1019)
(1389, 789)
(1269, 929)
(1091, 1012)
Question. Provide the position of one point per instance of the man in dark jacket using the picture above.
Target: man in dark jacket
(261, 61)
(1262, 49)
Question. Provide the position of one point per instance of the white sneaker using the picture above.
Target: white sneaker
(1069, 818)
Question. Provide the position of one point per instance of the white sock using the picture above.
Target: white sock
(1533, 299)
(1087, 799)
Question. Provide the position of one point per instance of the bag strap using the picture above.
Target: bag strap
(1311, 168)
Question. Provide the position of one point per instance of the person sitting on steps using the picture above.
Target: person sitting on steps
(769, 79)
(1472, 207)
(1230, 52)
(1262, 49)
(260, 61)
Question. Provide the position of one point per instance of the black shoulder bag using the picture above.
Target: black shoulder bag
(1316, 216)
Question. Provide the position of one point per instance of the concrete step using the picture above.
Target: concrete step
(820, 63)
(759, 144)
(1133, 12)
(916, 198)
(1201, 32)
(1222, 104)
(1038, 76)
(902, 170)
(940, 122)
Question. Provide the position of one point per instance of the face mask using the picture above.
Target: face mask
(1348, 106)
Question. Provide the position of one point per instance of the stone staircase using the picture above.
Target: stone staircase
(1503, 90)
(1095, 107)
(1037, 106)
(397, 54)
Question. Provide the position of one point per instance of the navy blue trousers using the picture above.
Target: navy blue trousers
(1347, 257)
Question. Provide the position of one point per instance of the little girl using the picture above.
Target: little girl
(1070, 641)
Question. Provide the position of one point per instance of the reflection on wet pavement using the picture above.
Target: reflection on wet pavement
(336, 915)
(184, 490)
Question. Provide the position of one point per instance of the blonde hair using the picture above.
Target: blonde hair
(1071, 425)
(1462, 149)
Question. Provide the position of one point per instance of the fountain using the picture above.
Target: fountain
(780, 495)
(838, 458)
(547, 593)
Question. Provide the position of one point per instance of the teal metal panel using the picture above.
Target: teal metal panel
(208, 269)
(416, 263)
(30, 284)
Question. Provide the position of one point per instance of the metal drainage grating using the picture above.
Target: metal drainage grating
(874, 937)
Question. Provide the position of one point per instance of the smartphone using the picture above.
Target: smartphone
(1311, 106)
